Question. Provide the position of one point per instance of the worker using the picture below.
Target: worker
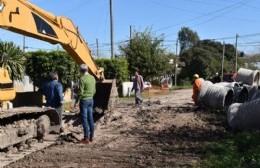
(216, 78)
(196, 87)
(87, 89)
(138, 86)
(52, 90)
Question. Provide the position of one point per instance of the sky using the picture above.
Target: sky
(218, 20)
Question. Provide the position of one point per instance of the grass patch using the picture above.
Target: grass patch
(239, 150)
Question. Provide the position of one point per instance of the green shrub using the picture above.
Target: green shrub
(115, 69)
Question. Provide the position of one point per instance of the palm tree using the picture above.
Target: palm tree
(13, 59)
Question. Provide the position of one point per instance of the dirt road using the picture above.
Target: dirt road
(165, 132)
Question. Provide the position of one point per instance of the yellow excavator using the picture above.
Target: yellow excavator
(22, 17)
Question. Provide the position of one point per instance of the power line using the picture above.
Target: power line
(201, 16)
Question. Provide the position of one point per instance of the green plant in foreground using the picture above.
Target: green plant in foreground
(239, 150)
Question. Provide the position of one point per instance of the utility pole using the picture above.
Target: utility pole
(130, 36)
(97, 48)
(24, 43)
(223, 58)
(236, 53)
(176, 63)
(111, 30)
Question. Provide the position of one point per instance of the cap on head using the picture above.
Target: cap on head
(83, 67)
(196, 76)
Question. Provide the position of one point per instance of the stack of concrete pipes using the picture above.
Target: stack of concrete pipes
(242, 97)
(246, 115)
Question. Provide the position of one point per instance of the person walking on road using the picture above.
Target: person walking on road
(52, 90)
(87, 89)
(138, 86)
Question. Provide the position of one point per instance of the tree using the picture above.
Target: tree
(14, 60)
(205, 58)
(114, 69)
(145, 54)
(187, 39)
(40, 63)
(200, 61)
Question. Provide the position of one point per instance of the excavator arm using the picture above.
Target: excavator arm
(22, 17)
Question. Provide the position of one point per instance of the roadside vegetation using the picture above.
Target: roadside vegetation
(238, 150)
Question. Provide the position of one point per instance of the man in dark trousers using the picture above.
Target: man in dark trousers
(87, 89)
(52, 90)
(138, 86)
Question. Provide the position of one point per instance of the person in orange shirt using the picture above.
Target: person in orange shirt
(196, 87)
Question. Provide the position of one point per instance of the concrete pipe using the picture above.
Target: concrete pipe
(203, 90)
(228, 84)
(248, 76)
(240, 93)
(217, 97)
(254, 92)
(244, 116)
(166, 82)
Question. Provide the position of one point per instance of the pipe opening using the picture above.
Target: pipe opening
(229, 98)
(243, 95)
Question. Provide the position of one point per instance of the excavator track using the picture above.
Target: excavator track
(20, 124)
(23, 129)
(7, 158)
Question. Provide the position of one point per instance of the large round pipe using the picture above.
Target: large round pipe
(240, 92)
(228, 84)
(248, 76)
(244, 116)
(204, 87)
(216, 97)
(167, 82)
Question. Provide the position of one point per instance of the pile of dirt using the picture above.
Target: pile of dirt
(165, 131)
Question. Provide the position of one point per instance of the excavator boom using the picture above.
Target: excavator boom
(22, 17)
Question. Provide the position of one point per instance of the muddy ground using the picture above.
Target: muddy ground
(167, 131)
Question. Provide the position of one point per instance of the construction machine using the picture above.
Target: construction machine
(25, 18)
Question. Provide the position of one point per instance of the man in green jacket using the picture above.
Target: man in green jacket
(87, 89)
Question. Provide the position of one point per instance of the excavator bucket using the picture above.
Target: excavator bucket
(106, 97)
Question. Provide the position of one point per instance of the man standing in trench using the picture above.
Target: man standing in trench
(87, 89)
(138, 86)
(52, 91)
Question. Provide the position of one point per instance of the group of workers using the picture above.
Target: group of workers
(52, 90)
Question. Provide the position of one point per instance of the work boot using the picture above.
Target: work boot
(61, 130)
(84, 141)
